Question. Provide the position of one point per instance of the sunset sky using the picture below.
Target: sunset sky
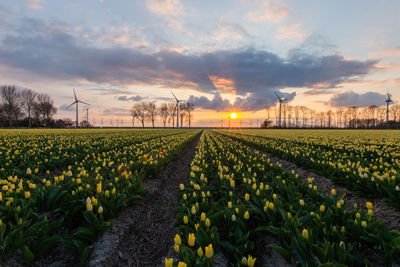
(222, 55)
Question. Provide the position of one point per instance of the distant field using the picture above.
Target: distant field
(308, 197)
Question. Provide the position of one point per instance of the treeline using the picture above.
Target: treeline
(351, 117)
(27, 108)
(166, 112)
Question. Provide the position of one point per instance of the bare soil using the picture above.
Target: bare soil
(142, 235)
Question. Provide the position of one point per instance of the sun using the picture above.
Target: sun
(233, 115)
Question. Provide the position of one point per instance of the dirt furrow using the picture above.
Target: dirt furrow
(143, 234)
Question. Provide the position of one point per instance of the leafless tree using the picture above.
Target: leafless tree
(395, 110)
(172, 113)
(189, 112)
(10, 103)
(163, 111)
(329, 115)
(151, 112)
(304, 110)
(139, 111)
(44, 108)
(28, 98)
(297, 115)
(182, 112)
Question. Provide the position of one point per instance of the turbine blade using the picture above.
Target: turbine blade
(71, 105)
(277, 96)
(76, 99)
(83, 102)
(174, 96)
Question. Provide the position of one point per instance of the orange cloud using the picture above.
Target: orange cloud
(387, 53)
(223, 84)
(165, 7)
(271, 13)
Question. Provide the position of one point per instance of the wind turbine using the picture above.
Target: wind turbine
(177, 109)
(76, 103)
(280, 99)
(388, 101)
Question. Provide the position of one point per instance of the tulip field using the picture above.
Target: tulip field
(367, 162)
(235, 206)
(235, 196)
(66, 186)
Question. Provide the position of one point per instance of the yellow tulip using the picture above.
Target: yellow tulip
(169, 262)
(182, 187)
(333, 192)
(193, 210)
(322, 208)
(177, 240)
(247, 197)
(250, 261)
(369, 205)
(305, 234)
(203, 217)
(191, 240)
(176, 248)
(185, 220)
(246, 215)
(200, 252)
(207, 223)
(27, 194)
(182, 264)
(364, 224)
(301, 202)
(209, 251)
(28, 171)
(100, 210)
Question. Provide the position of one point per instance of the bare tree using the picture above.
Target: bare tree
(10, 102)
(44, 109)
(139, 111)
(182, 112)
(151, 109)
(189, 112)
(395, 111)
(329, 114)
(172, 113)
(304, 110)
(163, 111)
(297, 115)
(28, 98)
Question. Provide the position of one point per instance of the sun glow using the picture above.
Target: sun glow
(233, 115)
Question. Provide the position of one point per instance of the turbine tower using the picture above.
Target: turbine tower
(280, 99)
(177, 109)
(388, 101)
(76, 102)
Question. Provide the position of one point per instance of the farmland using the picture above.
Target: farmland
(234, 200)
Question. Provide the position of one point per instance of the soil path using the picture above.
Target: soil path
(389, 215)
(142, 235)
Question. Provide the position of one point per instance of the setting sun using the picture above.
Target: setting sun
(233, 115)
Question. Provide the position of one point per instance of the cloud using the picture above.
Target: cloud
(217, 103)
(269, 12)
(132, 98)
(291, 31)
(351, 99)
(254, 102)
(165, 7)
(34, 4)
(387, 53)
(52, 51)
(116, 112)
